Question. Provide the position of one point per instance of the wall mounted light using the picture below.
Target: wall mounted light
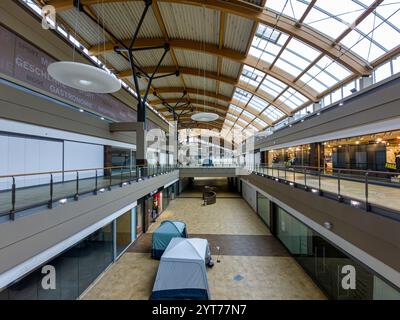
(328, 225)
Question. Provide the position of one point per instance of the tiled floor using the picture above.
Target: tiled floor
(253, 264)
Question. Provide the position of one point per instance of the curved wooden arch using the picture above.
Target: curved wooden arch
(212, 49)
(212, 75)
(285, 24)
(193, 101)
(183, 70)
(220, 112)
(200, 92)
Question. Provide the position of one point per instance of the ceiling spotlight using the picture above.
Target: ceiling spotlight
(341, 103)
(328, 225)
(102, 118)
(63, 201)
(81, 110)
(354, 203)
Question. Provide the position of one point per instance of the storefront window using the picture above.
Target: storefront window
(263, 208)
(124, 232)
(75, 270)
(339, 275)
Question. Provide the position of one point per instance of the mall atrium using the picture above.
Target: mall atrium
(209, 149)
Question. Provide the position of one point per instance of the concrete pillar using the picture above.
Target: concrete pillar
(316, 106)
(365, 82)
(107, 159)
(141, 144)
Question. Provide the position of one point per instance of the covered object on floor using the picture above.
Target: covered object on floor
(182, 272)
(163, 234)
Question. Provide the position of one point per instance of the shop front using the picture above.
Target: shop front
(152, 207)
(338, 274)
(374, 152)
(76, 268)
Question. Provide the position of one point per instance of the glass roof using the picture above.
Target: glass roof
(375, 35)
(304, 65)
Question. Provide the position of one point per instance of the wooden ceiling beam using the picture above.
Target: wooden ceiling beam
(196, 91)
(251, 61)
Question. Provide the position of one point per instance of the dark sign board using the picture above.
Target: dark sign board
(25, 62)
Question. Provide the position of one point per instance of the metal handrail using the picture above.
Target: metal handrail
(333, 169)
(140, 172)
(364, 177)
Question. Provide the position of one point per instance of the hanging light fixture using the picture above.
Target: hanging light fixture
(205, 116)
(83, 76)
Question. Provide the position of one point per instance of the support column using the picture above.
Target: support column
(107, 159)
(316, 155)
(141, 145)
(316, 106)
(365, 82)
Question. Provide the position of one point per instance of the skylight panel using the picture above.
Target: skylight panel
(235, 108)
(242, 95)
(251, 76)
(228, 122)
(294, 59)
(267, 33)
(290, 68)
(267, 43)
(273, 113)
(252, 127)
(293, 9)
(303, 49)
(258, 104)
(260, 122)
(362, 46)
(313, 83)
(292, 98)
(325, 23)
(242, 122)
(248, 115)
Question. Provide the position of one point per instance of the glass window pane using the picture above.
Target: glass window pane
(383, 72)
(124, 232)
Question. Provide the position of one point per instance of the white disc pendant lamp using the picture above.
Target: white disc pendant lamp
(205, 116)
(84, 77)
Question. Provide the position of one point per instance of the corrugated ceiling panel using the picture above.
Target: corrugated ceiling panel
(237, 32)
(190, 22)
(142, 84)
(117, 61)
(226, 89)
(201, 107)
(199, 83)
(150, 58)
(196, 60)
(171, 95)
(122, 19)
(83, 26)
(230, 68)
(171, 81)
(208, 99)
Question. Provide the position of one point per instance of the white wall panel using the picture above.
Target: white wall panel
(249, 194)
(23, 155)
(79, 155)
